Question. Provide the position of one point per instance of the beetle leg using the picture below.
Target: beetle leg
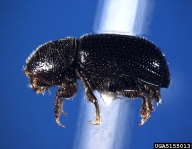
(91, 98)
(157, 94)
(66, 92)
(146, 109)
(154, 92)
(58, 107)
(61, 107)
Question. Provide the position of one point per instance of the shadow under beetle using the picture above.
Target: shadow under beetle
(127, 65)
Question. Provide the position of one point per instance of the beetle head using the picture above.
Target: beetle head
(37, 83)
(38, 86)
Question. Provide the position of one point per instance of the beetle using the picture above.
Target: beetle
(129, 66)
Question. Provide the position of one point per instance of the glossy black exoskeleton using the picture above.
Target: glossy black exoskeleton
(127, 65)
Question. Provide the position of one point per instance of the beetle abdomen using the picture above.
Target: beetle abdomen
(112, 54)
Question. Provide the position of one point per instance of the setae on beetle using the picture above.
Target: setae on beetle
(127, 65)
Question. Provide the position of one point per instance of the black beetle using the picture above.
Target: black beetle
(127, 65)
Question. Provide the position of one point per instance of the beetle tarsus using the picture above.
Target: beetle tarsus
(61, 107)
(146, 109)
(97, 114)
(58, 123)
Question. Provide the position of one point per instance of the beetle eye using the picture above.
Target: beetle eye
(38, 86)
